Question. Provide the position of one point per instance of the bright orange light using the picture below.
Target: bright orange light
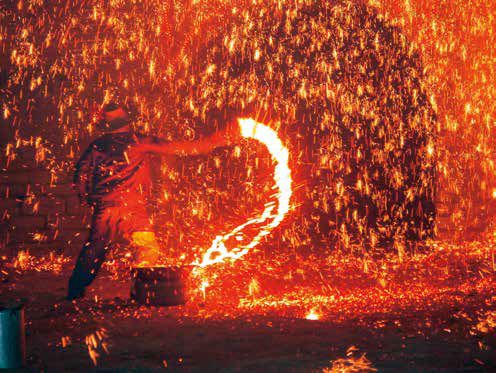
(312, 315)
(149, 250)
(251, 129)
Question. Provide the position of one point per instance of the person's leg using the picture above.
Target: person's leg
(91, 257)
(138, 228)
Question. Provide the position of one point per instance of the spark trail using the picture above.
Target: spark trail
(218, 251)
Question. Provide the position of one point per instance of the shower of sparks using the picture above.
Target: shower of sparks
(418, 75)
(97, 343)
(346, 87)
(250, 129)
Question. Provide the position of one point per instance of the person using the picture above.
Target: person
(113, 176)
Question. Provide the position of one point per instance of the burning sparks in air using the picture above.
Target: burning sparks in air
(331, 83)
(203, 288)
(343, 83)
(96, 343)
(250, 129)
(335, 90)
(351, 364)
(51, 262)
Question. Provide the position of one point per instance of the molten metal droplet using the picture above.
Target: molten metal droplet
(312, 315)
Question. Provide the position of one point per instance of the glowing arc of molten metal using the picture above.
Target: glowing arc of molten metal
(250, 129)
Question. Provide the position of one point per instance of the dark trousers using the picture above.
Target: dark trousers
(92, 254)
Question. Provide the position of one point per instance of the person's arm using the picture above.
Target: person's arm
(83, 175)
(202, 146)
(230, 136)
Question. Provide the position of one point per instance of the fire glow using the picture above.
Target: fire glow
(250, 129)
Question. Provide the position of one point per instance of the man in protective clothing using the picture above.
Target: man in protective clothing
(113, 177)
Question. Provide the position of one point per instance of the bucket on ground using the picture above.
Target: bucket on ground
(159, 286)
(12, 336)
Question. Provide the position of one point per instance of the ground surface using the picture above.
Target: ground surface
(450, 328)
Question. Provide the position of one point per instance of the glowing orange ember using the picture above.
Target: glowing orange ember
(250, 129)
(312, 315)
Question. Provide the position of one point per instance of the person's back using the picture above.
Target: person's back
(112, 170)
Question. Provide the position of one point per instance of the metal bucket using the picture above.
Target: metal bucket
(12, 337)
(159, 286)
